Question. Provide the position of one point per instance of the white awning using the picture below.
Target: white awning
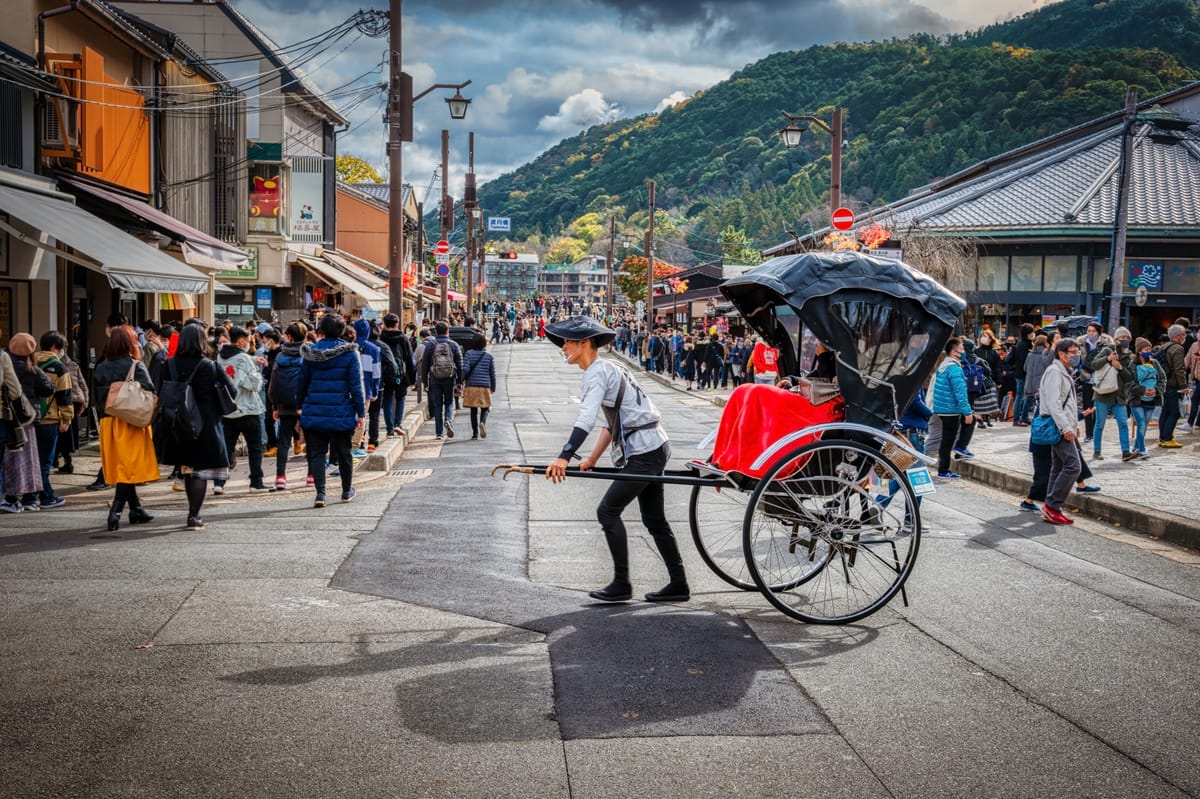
(199, 248)
(372, 299)
(355, 268)
(127, 262)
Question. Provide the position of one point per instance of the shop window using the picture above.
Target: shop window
(993, 273)
(1181, 277)
(266, 197)
(1099, 273)
(1061, 272)
(1026, 273)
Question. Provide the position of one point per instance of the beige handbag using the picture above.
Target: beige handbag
(130, 402)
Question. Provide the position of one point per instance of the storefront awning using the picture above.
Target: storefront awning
(199, 248)
(356, 268)
(128, 263)
(371, 299)
(436, 294)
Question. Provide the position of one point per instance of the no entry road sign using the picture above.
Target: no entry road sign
(442, 247)
(843, 219)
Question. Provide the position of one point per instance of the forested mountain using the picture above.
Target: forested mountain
(915, 110)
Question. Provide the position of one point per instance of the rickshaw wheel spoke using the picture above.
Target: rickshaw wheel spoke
(715, 517)
(831, 500)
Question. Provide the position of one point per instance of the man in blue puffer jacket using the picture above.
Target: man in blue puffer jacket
(372, 372)
(333, 406)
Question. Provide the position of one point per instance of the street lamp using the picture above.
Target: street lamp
(400, 130)
(794, 133)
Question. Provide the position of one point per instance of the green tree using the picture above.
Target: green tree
(737, 249)
(567, 250)
(355, 170)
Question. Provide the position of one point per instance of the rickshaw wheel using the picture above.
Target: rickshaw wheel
(715, 516)
(835, 522)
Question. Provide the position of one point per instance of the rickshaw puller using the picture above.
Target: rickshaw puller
(631, 427)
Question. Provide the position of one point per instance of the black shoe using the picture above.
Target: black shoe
(672, 592)
(96, 485)
(613, 592)
(139, 516)
(114, 520)
(66, 468)
(195, 523)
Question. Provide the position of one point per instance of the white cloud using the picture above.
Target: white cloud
(580, 111)
(675, 98)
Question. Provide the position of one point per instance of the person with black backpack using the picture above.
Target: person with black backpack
(443, 368)
(203, 457)
(284, 394)
(403, 376)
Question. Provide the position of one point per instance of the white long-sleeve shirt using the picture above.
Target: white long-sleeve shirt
(601, 382)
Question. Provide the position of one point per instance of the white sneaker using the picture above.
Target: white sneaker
(1184, 428)
(218, 490)
(10, 507)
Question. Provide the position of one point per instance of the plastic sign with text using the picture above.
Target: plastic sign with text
(499, 224)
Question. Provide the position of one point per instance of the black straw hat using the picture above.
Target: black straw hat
(578, 328)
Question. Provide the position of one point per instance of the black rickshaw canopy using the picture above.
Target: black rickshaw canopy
(886, 321)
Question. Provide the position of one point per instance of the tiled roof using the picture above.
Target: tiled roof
(380, 192)
(1071, 186)
(1065, 184)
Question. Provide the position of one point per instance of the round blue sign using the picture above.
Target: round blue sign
(443, 270)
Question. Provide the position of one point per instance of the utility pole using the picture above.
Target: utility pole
(650, 266)
(447, 217)
(612, 240)
(469, 204)
(1121, 222)
(420, 260)
(399, 90)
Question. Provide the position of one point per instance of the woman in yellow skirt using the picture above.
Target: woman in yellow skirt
(126, 452)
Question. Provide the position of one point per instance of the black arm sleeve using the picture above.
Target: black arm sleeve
(578, 436)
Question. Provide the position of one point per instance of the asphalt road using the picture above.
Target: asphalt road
(435, 639)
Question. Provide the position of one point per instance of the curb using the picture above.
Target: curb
(1135, 518)
(385, 456)
(1164, 526)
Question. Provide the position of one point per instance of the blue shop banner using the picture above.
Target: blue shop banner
(262, 298)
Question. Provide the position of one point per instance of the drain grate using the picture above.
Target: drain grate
(406, 472)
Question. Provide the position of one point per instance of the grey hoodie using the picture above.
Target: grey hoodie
(243, 372)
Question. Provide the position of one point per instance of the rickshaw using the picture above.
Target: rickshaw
(810, 495)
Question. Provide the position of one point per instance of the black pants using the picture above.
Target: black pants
(288, 431)
(478, 416)
(954, 434)
(337, 444)
(373, 410)
(250, 427)
(650, 502)
(1169, 417)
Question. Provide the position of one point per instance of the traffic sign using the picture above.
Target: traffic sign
(442, 257)
(843, 219)
(499, 224)
(443, 270)
(442, 247)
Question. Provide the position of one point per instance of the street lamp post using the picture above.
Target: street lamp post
(1116, 259)
(794, 133)
(400, 130)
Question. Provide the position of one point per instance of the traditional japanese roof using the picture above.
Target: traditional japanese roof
(1064, 186)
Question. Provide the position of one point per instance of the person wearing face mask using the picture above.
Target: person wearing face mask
(1146, 394)
(243, 372)
(1089, 343)
(1111, 391)
(1058, 400)
(952, 407)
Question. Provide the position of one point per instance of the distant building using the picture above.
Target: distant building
(585, 280)
(511, 278)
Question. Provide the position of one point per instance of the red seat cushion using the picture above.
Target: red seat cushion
(757, 416)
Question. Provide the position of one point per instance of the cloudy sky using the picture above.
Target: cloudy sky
(544, 70)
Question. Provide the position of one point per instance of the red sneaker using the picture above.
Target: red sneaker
(1055, 516)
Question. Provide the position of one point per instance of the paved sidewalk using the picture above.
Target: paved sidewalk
(160, 494)
(1154, 496)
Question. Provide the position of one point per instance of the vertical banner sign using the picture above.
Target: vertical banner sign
(306, 209)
